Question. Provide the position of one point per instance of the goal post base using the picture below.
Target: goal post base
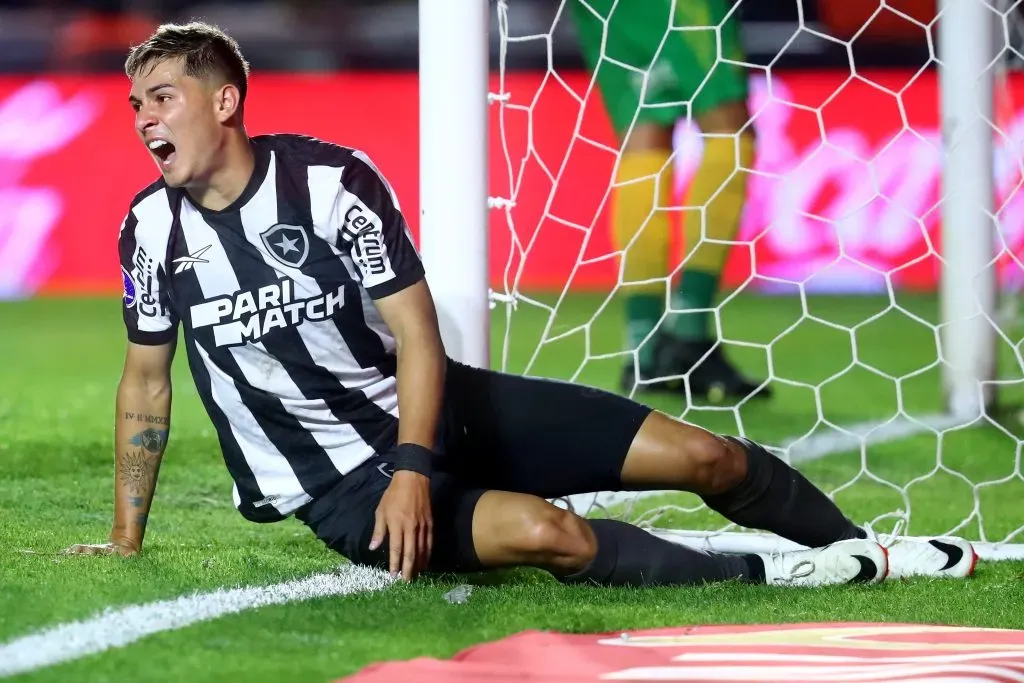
(753, 542)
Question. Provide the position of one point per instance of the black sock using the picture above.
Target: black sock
(776, 498)
(629, 556)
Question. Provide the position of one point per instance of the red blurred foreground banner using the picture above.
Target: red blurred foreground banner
(846, 190)
(808, 653)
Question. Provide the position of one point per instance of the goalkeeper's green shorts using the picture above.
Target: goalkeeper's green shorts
(680, 49)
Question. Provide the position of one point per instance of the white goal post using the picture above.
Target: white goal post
(966, 31)
(453, 73)
(457, 211)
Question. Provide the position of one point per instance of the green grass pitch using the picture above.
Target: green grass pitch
(61, 361)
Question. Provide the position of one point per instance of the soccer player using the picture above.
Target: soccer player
(684, 61)
(313, 342)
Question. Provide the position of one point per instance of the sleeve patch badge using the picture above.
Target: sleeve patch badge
(129, 288)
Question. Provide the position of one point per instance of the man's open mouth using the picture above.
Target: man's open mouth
(162, 150)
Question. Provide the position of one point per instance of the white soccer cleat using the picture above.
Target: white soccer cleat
(854, 561)
(935, 556)
(942, 556)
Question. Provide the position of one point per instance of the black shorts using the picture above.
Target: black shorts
(503, 432)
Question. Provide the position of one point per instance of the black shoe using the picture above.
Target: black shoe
(711, 376)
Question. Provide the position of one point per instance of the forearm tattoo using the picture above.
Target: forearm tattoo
(153, 440)
(148, 419)
(138, 471)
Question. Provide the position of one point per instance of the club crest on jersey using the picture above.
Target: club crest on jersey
(287, 243)
(129, 288)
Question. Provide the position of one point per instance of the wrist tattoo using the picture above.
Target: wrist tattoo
(153, 440)
(146, 418)
(138, 471)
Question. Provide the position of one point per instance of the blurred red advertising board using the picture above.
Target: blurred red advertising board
(847, 185)
(853, 652)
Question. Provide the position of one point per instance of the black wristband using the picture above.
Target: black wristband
(415, 458)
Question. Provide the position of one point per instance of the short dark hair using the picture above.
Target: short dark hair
(204, 49)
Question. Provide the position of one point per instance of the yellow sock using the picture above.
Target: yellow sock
(639, 206)
(720, 186)
(717, 176)
(638, 210)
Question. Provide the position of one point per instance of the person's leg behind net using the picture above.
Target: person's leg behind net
(629, 33)
(717, 91)
(683, 77)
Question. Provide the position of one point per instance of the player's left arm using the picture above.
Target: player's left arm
(412, 318)
(405, 515)
(389, 267)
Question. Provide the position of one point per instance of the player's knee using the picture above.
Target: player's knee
(556, 538)
(670, 453)
(716, 464)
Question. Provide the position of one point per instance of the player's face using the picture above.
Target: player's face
(175, 118)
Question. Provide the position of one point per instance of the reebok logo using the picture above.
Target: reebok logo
(249, 315)
(188, 262)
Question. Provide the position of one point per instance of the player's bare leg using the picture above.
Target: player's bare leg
(512, 529)
(738, 479)
(746, 484)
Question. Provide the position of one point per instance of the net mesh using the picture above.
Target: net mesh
(829, 291)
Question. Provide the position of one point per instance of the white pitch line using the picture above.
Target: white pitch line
(874, 432)
(117, 627)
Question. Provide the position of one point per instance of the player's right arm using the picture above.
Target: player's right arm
(141, 427)
(143, 404)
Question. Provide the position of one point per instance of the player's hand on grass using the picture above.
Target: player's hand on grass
(124, 549)
(117, 544)
(405, 518)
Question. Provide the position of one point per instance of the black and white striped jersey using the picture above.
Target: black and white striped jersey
(274, 295)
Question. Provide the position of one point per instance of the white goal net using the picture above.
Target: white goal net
(837, 288)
